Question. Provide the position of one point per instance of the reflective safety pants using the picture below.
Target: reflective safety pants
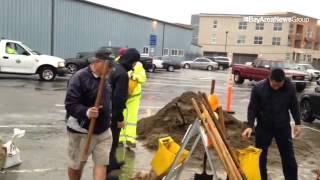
(129, 133)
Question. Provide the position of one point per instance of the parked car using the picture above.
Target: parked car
(200, 63)
(147, 63)
(160, 62)
(296, 67)
(114, 51)
(83, 54)
(157, 64)
(25, 61)
(75, 64)
(314, 73)
(310, 105)
(261, 69)
(223, 62)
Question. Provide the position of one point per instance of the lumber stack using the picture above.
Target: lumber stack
(216, 133)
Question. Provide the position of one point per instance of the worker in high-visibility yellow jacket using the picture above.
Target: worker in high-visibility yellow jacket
(137, 78)
(9, 49)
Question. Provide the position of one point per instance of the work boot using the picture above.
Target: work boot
(115, 166)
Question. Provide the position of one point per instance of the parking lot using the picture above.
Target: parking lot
(38, 107)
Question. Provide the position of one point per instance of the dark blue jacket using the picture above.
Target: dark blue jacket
(271, 108)
(81, 95)
(119, 82)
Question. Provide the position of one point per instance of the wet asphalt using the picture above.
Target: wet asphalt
(38, 107)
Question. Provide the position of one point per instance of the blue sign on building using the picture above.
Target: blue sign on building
(153, 40)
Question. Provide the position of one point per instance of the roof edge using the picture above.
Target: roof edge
(133, 14)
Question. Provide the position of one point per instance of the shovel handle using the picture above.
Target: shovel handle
(204, 163)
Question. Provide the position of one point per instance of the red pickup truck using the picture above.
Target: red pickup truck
(261, 68)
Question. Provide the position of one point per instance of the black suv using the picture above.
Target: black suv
(223, 62)
(74, 64)
(147, 63)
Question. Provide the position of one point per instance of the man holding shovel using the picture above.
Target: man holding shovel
(80, 105)
(270, 103)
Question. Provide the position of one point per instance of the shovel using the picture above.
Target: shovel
(204, 175)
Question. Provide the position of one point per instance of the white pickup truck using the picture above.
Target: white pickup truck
(17, 58)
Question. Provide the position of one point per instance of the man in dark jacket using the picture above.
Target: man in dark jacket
(79, 103)
(119, 80)
(270, 103)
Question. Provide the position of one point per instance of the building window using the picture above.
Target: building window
(214, 39)
(309, 57)
(258, 40)
(166, 52)
(181, 52)
(277, 27)
(215, 24)
(174, 52)
(309, 33)
(289, 42)
(308, 45)
(288, 56)
(291, 28)
(276, 41)
(241, 39)
(145, 50)
(259, 26)
(243, 25)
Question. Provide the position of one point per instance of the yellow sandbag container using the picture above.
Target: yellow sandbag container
(164, 157)
(131, 86)
(249, 162)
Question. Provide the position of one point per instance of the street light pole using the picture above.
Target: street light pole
(225, 44)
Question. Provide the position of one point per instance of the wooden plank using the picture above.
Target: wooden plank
(216, 146)
(235, 174)
(230, 149)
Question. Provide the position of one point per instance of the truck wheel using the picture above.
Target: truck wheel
(170, 68)
(72, 68)
(186, 66)
(152, 69)
(47, 74)
(306, 111)
(210, 68)
(300, 87)
(238, 79)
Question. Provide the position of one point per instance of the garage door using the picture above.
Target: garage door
(243, 58)
(212, 54)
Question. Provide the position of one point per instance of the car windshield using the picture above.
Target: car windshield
(30, 50)
(308, 66)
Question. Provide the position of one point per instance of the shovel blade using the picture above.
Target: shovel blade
(203, 177)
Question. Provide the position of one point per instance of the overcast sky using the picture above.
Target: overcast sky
(179, 11)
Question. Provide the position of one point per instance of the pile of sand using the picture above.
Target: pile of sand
(169, 121)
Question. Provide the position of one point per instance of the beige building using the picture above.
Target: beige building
(283, 36)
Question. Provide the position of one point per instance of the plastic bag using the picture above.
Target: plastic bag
(12, 157)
